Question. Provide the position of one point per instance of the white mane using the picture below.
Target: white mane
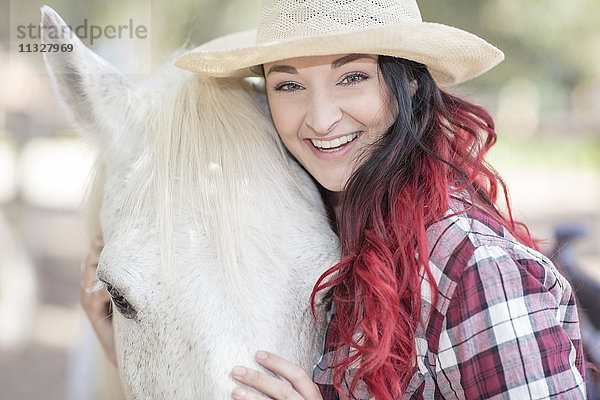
(201, 158)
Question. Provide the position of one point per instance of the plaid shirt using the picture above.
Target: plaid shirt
(504, 325)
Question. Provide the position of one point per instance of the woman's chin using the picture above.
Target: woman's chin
(333, 185)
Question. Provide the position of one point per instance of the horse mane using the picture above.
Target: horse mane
(209, 151)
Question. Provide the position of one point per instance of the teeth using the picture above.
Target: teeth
(331, 144)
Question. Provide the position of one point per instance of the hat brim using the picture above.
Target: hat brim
(452, 55)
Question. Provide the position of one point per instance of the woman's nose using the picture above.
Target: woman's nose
(323, 113)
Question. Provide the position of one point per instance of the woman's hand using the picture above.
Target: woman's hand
(299, 385)
(96, 303)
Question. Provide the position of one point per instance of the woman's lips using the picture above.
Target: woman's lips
(333, 144)
(333, 148)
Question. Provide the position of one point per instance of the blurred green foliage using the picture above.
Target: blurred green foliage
(551, 153)
(545, 40)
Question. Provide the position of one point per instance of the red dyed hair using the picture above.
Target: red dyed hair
(435, 148)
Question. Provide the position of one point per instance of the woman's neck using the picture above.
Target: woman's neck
(333, 205)
(336, 203)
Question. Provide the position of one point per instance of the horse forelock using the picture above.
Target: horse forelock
(209, 153)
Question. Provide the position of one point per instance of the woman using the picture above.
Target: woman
(438, 294)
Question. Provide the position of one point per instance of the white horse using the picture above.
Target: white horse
(213, 236)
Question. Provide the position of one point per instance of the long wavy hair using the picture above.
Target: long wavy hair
(435, 148)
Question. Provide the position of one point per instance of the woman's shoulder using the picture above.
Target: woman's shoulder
(493, 295)
(469, 241)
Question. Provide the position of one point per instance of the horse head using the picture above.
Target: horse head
(214, 236)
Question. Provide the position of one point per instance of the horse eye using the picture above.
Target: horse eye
(121, 303)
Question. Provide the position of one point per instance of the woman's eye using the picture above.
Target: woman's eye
(354, 78)
(287, 87)
(121, 303)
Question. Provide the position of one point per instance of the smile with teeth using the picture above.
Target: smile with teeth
(336, 144)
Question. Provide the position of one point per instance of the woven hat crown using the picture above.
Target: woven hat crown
(290, 19)
(304, 28)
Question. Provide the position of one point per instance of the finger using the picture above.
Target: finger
(297, 376)
(96, 303)
(93, 301)
(89, 277)
(103, 325)
(269, 385)
(93, 255)
(240, 393)
(97, 306)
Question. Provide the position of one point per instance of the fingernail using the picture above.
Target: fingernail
(238, 371)
(261, 355)
(239, 393)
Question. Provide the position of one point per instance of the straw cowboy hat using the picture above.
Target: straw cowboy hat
(297, 28)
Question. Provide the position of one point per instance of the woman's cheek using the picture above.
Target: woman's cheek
(286, 123)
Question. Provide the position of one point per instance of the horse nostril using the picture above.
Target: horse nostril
(121, 303)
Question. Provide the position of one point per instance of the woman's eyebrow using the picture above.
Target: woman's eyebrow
(349, 58)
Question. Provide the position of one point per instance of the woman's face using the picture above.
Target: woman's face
(328, 110)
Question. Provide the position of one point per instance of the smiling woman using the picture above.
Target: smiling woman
(328, 111)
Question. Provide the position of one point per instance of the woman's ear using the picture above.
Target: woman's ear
(413, 86)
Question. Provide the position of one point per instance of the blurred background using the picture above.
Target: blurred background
(545, 98)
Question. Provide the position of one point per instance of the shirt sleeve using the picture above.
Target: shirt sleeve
(511, 331)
